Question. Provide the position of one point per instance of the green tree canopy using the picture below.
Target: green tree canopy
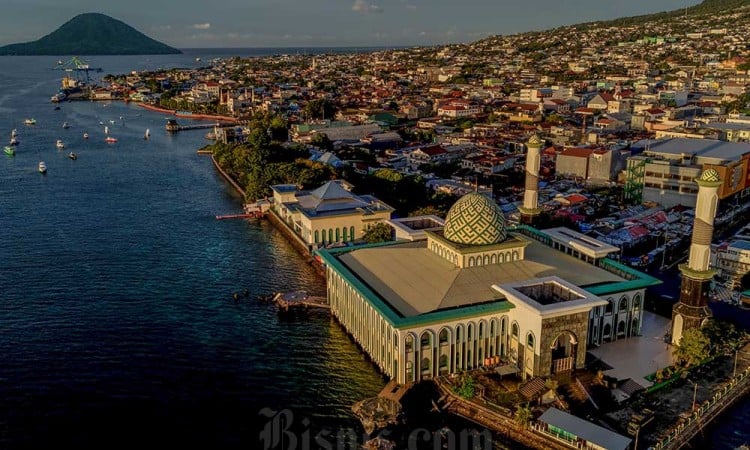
(693, 347)
(320, 108)
(381, 232)
(523, 416)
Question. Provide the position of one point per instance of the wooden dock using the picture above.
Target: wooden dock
(252, 215)
(299, 299)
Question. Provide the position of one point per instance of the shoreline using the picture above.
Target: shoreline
(176, 113)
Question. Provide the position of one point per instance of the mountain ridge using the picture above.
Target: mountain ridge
(91, 34)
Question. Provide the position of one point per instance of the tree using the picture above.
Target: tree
(693, 347)
(427, 211)
(381, 232)
(466, 387)
(321, 108)
(523, 416)
(745, 281)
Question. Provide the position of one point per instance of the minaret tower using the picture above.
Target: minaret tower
(530, 209)
(692, 309)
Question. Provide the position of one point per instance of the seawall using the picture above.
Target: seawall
(226, 176)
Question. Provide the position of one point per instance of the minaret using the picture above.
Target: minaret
(530, 209)
(692, 309)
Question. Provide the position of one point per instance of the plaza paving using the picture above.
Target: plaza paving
(638, 356)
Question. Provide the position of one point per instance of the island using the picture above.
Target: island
(92, 34)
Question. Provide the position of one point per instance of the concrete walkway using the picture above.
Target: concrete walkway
(638, 356)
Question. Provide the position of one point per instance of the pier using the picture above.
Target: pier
(299, 299)
(172, 126)
(253, 215)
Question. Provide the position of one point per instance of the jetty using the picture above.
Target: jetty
(252, 215)
(299, 299)
(172, 126)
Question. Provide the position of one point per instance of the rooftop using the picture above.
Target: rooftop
(703, 148)
(585, 430)
(578, 241)
(414, 281)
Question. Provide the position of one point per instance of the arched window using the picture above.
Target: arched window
(481, 330)
(514, 330)
(637, 301)
(317, 236)
(530, 340)
(608, 308)
(443, 361)
(330, 235)
(409, 346)
(425, 366)
(338, 235)
(443, 336)
(492, 328)
(470, 332)
(346, 234)
(623, 304)
(426, 339)
(351, 232)
(459, 333)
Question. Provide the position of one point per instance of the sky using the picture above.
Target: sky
(310, 23)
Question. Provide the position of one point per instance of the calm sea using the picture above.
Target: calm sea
(116, 315)
(117, 324)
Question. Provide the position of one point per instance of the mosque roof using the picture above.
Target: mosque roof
(475, 220)
(414, 280)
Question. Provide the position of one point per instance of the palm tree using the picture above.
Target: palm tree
(523, 416)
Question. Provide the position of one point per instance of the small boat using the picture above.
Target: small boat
(112, 122)
(85, 135)
(66, 125)
(13, 133)
(42, 167)
(10, 151)
(197, 60)
(29, 122)
(13, 141)
(59, 144)
(106, 130)
(72, 156)
(110, 140)
(148, 134)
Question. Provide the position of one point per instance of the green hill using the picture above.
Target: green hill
(706, 7)
(91, 34)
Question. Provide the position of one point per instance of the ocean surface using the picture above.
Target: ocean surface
(117, 323)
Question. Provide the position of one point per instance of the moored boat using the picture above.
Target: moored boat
(31, 121)
(147, 134)
(10, 151)
(72, 156)
(85, 135)
(42, 167)
(59, 144)
(66, 125)
(110, 140)
(13, 141)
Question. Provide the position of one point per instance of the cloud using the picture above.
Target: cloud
(411, 7)
(163, 27)
(364, 7)
(202, 26)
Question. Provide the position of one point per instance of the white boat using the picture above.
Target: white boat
(66, 125)
(13, 141)
(106, 130)
(13, 133)
(60, 144)
(29, 122)
(72, 156)
(110, 140)
(147, 134)
(85, 135)
(42, 167)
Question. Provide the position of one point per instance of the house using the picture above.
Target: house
(327, 215)
(573, 162)
(579, 433)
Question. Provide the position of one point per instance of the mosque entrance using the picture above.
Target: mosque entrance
(564, 351)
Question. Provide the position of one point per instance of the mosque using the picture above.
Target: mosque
(481, 293)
